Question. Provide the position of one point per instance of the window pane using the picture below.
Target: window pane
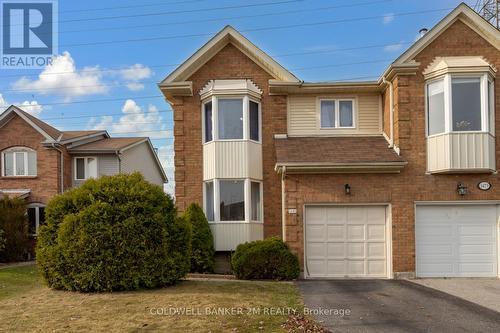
(254, 120)
(80, 168)
(32, 220)
(345, 113)
(466, 104)
(255, 197)
(209, 200)
(327, 113)
(435, 107)
(31, 163)
(91, 167)
(232, 200)
(20, 164)
(9, 164)
(230, 118)
(208, 122)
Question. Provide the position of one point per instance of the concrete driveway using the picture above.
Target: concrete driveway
(485, 292)
(393, 306)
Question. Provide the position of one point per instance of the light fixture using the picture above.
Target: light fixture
(347, 189)
(461, 189)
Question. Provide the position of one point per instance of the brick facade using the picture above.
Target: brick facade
(229, 63)
(413, 184)
(46, 183)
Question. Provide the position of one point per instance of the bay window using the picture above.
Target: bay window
(19, 162)
(460, 103)
(228, 118)
(233, 200)
(336, 113)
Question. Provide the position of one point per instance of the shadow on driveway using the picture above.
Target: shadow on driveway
(394, 306)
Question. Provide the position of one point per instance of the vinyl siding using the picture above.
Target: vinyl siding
(107, 165)
(303, 115)
(140, 158)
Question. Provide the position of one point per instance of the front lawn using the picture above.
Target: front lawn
(26, 305)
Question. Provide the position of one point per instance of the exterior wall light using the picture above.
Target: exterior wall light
(461, 189)
(347, 189)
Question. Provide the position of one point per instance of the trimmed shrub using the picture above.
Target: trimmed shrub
(14, 223)
(265, 259)
(113, 233)
(202, 243)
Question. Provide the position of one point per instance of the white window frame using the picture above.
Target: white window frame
(24, 151)
(487, 116)
(37, 207)
(337, 101)
(247, 195)
(215, 117)
(85, 158)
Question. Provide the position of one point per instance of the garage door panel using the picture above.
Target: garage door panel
(454, 240)
(354, 241)
(316, 232)
(375, 232)
(336, 232)
(355, 232)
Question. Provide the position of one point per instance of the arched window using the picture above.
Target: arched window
(19, 162)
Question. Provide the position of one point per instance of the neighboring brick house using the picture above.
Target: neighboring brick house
(386, 178)
(38, 161)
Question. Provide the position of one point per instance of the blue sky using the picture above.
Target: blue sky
(101, 83)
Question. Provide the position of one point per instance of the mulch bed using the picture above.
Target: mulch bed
(302, 324)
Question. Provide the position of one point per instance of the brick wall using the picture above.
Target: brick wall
(47, 182)
(229, 63)
(402, 190)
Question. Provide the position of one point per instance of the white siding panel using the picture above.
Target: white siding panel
(140, 158)
(227, 236)
(303, 117)
(461, 151)
(232, 159)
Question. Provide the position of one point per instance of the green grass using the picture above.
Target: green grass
(26, 305)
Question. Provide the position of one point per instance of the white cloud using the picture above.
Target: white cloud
(132, 76)
(394, 47)
(32, 107)
(64, 79)
(134, 122)
(388, 18)
(166, 156)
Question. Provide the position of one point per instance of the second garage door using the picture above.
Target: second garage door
(456, 241)
(345, 241)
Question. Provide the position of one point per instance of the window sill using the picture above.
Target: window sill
(232, 140)
(19, 177)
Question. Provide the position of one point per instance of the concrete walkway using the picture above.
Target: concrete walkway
(482, 291)
(16, 264)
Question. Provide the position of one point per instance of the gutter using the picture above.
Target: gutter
(391, 111)
(61, 154)
(283, 199)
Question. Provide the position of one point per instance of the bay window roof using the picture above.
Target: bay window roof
(444, 65)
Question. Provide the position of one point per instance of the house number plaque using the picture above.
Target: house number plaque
(484, 186)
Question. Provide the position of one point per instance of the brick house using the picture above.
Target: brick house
(38, 161)
(386, 178)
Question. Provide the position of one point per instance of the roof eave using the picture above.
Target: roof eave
(363, 167)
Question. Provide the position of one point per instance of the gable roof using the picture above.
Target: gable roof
(463, 13)
(50, 133)
(108, 144)
(214, 45)
(75, 135)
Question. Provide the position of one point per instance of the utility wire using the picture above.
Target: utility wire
(142, 5)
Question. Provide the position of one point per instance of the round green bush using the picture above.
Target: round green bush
(202, 243)
(265, 259)
(14, 224)
(113, 233)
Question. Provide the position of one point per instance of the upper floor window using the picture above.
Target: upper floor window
(19, 162)
(336, 113)
(85, 168)
(231, 119)
(460, 103)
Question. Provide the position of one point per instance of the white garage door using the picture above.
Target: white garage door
(456, 240)
(345, 241)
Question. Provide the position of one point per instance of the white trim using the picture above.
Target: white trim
(388, 236)
(20, 150)
(86, 170)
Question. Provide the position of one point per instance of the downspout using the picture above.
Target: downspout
(118, 155)
(61, 154)
(391, 111)
(283, 199)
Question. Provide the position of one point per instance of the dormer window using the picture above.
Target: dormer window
(19, 162)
